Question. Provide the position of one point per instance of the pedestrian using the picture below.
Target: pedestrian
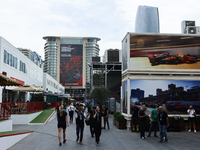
(154, 122)
(98, 123)
(71, 109)
(105, 116)
(191, 118)
(91, 120)
(163, 123)
(135, 119)
(65, 105)
(80, 116)
(62, 119)
(142, 123)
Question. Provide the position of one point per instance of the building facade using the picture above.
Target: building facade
(67, 59)
(22, 69)
(147, 20)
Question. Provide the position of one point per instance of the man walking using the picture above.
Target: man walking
(163, 123)
(154, 122)
(105, 116)
(142, 117)
(71, 109)
(80, 116)
(135, 119)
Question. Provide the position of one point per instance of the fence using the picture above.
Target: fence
(54, 104)
(26, 107)
(5, 110)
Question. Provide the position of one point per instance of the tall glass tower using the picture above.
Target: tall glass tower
(147, 20)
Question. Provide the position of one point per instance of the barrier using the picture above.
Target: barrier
(5, 110)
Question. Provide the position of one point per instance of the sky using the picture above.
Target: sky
(23, 23)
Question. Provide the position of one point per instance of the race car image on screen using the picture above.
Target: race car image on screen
(167, 58)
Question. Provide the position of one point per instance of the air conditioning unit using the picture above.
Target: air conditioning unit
(193, 30)
(185, 24)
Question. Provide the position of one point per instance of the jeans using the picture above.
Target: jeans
(106, 121)
(80, 127)
(154, 125)
(142, 129)
(162, 129)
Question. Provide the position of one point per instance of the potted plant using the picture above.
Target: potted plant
(115, 116)
(120, 121)
(178, 124)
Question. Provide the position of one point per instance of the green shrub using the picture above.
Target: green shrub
(120, 118)
(116, 114)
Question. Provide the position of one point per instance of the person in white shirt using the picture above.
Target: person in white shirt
(191, 119)
(71, 109)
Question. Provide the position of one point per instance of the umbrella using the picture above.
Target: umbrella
(29, 88)
(6, 81)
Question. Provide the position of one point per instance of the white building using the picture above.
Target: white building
(20, 68)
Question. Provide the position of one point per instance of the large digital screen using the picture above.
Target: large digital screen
(164, 52)
(174, 95)
(71, 65)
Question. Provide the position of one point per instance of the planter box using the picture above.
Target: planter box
(120, 125)
(198, 127)
(114, 122)
(182, 127)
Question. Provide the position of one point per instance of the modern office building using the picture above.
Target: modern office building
(67, 59)
(147, 20)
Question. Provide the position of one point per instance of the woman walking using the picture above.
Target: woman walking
(98, 123)
(62, 119)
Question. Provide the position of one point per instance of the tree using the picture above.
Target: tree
(96, 79)
(99, 94)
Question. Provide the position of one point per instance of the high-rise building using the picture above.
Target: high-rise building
(67, 59)
(147, 20)
(33, 56)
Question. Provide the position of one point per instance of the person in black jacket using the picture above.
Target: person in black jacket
(142, 117)
(91, 120)
(62, 119)
(80, 116)
(98, 123)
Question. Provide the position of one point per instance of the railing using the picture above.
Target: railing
(54, 104)
(5, 110)
(26, 107)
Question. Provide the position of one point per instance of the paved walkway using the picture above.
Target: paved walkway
(45, 137)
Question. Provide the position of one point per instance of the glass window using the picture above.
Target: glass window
(11, 60)
(15, 62)
(5, 54)
(7, 59)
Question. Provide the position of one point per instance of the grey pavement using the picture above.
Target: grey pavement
(45, 137)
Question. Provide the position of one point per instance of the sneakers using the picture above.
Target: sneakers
(160, 141)
(77, 139)
(143, 138)
(189, 130)
(64, 141)
(60, 144)
(81, 143)
(195, 131)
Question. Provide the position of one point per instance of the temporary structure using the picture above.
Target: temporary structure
(6, 81)
(29, 88)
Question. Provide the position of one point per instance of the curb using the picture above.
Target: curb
(49, 117)
(13, 134)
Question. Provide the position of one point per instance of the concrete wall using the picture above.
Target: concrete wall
(24, 118)
(6, 125)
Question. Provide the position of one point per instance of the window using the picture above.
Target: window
(11, 60)
(22, 67)
(7, 59)
(4, 58)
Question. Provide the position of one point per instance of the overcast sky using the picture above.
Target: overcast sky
(24, 22)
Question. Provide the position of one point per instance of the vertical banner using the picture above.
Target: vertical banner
(71, 65)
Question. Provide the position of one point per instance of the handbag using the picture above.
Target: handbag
(87, 122)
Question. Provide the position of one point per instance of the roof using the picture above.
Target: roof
(71, 37)
(6, 81)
